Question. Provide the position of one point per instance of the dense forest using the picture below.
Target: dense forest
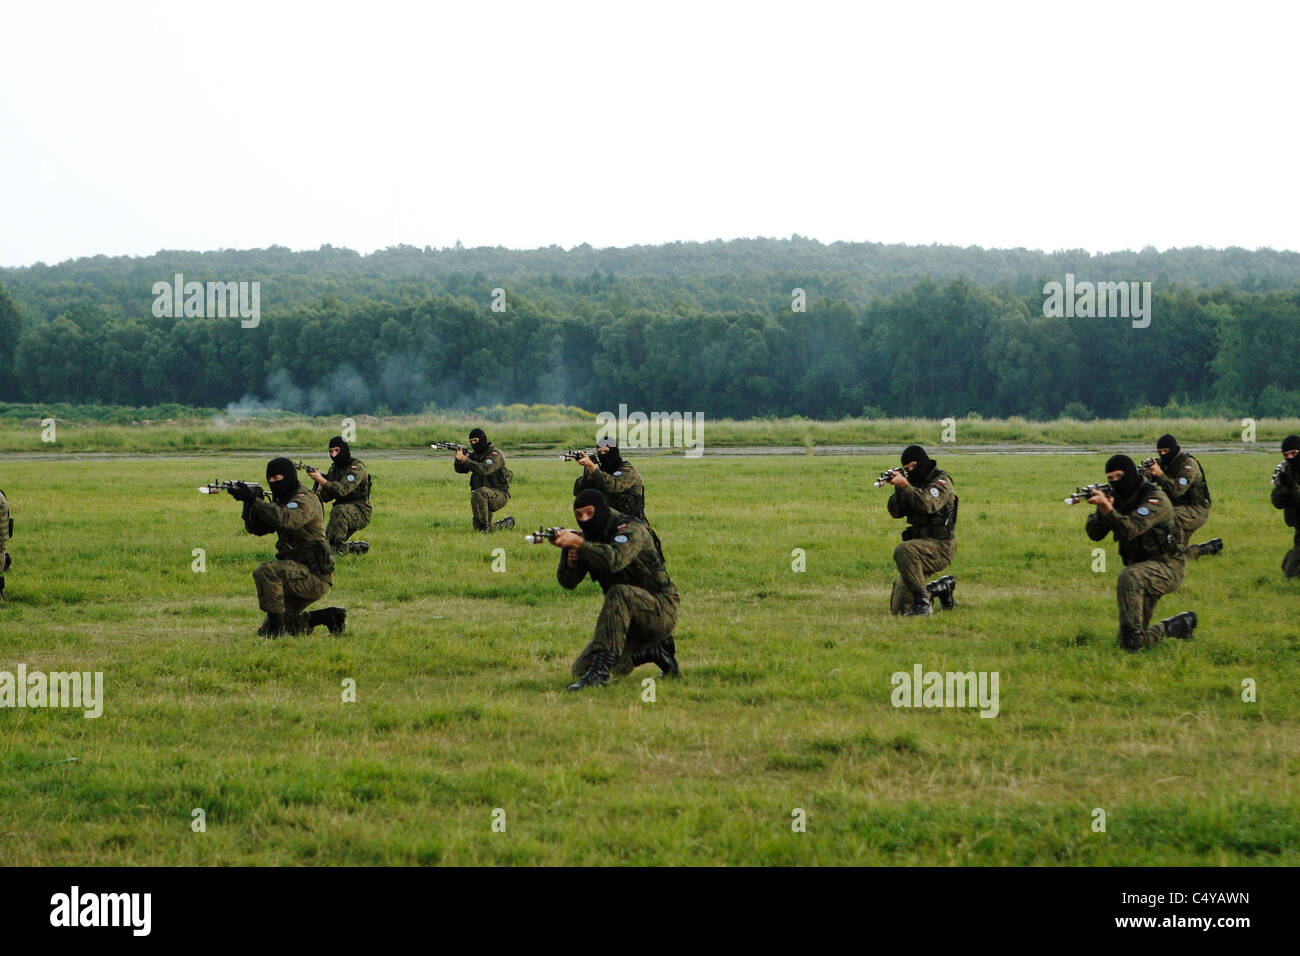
(708, 327)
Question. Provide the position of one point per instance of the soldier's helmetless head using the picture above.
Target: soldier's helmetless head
(1290, 447)
(478, 439)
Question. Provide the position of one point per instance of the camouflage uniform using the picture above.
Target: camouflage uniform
(641, 602)
(303, 569)
(1149, 539)
(5, 524)
(930, 540)
(349, 489)
(623, 489)
(489, 483)
(1286, 498)
(1184, 483)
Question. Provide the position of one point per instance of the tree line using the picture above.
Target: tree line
(347, 339)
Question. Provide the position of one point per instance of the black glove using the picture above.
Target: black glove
(1286, 478)
(241, 492)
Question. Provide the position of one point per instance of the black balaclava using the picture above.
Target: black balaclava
(611, 461)
(286, 487)
(481, 447)
(1170, 442)
(1290, 443)
(924, 464)
(1129, 482)
(345, 453)
(590, 496)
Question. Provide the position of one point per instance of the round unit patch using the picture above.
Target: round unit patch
(351, 477)
(1144, 511)
(292, 504)
(934, 492)
(1182, 481)
(621, 538)
(618, 474)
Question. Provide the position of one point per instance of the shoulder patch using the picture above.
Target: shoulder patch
(1144, 511)
(941, 481)
(621, 538)
(622, 526)
(292, 504)
(934, 492)
(351, 477)
(1182, 481)
(618, 474)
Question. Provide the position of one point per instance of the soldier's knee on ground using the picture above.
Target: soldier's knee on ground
(1291, 563)
(900, 599)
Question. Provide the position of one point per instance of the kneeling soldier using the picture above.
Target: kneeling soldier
(1286, 499)
(489, 481)
(1181, 477)
(347, 484)
(6, 530)
(925, 496)
(1141, 518)
(303, 568)
(641, 602)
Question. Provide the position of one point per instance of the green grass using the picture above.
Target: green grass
(530, 428)
(784, 701)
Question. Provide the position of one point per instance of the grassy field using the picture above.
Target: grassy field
(516, 428)
(783, 703)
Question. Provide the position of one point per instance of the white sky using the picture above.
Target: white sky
(129, 127)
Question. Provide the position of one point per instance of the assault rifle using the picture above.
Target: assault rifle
(886, 477)
(1148, 462)
(217, 487)
(1086, 491)
(572, 455)
(303, 466)
(546, 534)
(448, 446)
(1281, 467)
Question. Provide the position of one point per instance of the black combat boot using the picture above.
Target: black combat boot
(663, 655)
(2, 587)
(667, 657)
(1130, 638)
(941, 590)
(1180, 625)
(598, 673)
(331, 617)
(1213, 546)
(506, 522)
(920, 605)
(273, 626)
(358, 547)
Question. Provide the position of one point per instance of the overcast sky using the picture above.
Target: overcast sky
(133, 127)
